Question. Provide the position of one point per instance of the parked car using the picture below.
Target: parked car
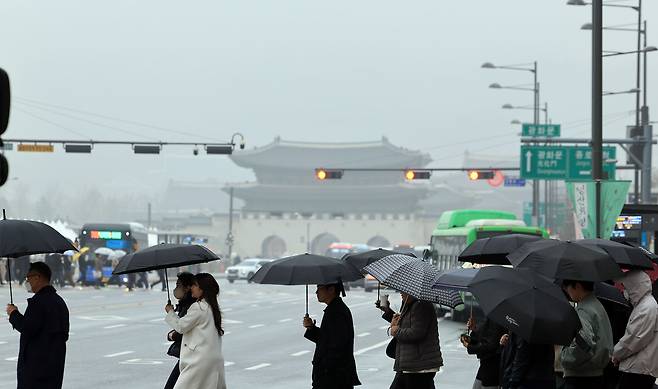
(245, 269)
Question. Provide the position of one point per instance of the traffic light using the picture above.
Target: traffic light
(417, 175)
(481, 175)
(324, 174)
(4, 121)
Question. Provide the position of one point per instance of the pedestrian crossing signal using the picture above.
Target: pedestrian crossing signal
(324, 174)
(481, 175)
(417, 175)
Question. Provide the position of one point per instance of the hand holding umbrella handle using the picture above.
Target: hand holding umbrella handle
(308, 322)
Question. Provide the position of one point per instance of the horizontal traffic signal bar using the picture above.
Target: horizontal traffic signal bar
(417, 175)
(481, 174)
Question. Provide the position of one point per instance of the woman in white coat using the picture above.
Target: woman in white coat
(201, 360)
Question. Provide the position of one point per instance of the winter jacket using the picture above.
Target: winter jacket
(523, 363)
(333, 361)
(637, 350)
(485, 343)
(418, 345)
(589, 353)
(44, 331)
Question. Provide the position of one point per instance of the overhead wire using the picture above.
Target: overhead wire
(90, 122)
(120, 120)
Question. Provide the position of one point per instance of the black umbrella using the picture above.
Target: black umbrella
(20, 238)
(164, 256)
(305, 269)
(361, 260)
(494, 250)
(626, 256)
(457, 279)
(566, 260)
(608, 292)
(526, 303)
(647, 253)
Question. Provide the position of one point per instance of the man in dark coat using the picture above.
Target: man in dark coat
(333, 361)
(484, 342)
(526, 365)
(44, 331)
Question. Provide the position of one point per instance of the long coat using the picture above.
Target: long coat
(201, 360)
(333, 361)
(44, 331)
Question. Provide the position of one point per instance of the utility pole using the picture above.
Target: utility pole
(148, 217)
(647, 134)
(229, 236)
(597, 106)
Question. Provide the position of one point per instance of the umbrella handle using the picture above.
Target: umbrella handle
(166, 281)
(378, 284)
(11, 292)
(306, 299)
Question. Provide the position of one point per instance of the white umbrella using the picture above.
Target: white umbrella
(104, 251)
(117, 254)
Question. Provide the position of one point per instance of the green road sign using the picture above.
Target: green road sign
(540, 130)
(563, 162)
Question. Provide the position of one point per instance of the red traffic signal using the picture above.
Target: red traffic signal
(417, 175)
(481, 175)
(324, 174)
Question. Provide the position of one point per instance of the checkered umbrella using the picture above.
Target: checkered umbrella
(414, 277)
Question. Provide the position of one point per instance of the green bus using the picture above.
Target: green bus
(458, 228)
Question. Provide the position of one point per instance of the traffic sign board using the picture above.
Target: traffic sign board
(563, 162)
(541, 130)
(36, 148)
(514, 181)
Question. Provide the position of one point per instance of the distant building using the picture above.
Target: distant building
(286, 182)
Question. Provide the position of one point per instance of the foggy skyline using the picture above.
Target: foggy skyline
(336, 72)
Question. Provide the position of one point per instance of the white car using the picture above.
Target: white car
(245, 269)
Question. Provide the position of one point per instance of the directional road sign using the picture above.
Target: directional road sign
(541, 130)
(563, 162)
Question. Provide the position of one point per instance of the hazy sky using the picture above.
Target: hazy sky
(303, 70)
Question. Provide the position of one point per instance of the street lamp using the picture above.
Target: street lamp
(608, 93)
(533, 69)
(581, 2)
(496, 85)
(645, 50)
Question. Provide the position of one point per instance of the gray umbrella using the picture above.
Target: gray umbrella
(414, 277)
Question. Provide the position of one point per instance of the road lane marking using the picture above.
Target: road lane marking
(373, 347)
(226, 364)
(115, 326)
(3, 342)
(257, 325)
(284, 320)
(256, 367)
(363, 334)
(158, 319)
(227, 309)
(118, 354)
(102, 317)
(384, 327)
(299, 353)
(12, 359)
(139, 361)
(229, 321)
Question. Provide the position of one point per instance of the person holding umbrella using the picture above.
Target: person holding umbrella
(334, 366)
(636, 353)
(585, 359)
(44, 332)
(484, 342)
(201, 360)
(183, 292)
